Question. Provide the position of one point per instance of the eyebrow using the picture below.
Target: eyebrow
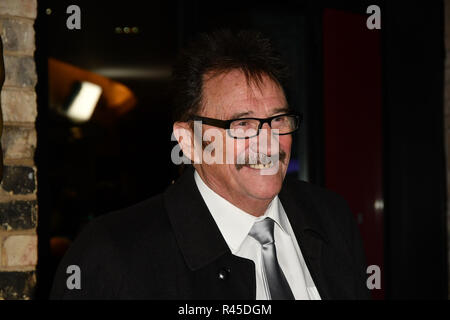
(249, 113)
(241, 114)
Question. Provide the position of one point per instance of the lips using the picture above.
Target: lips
(267, 162)
(260, 166)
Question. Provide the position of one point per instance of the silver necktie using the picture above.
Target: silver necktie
(279, 288)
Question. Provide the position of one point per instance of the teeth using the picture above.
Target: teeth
(261, 166)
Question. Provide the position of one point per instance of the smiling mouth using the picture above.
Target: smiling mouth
(260, 166)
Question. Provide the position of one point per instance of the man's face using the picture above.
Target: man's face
(228, 96)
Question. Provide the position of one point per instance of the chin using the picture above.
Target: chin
(264, 186)
(266, 192)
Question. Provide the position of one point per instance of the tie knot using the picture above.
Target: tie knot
(262, 231)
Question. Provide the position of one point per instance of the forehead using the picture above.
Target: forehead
(230, 93)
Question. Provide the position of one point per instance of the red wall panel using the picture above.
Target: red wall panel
(353, 124)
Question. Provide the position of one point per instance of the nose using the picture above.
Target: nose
(266, 126)
(266, 139)
(263, 142)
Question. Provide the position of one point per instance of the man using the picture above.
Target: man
(231, 228)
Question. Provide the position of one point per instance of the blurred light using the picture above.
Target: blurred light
(83, 103)
(156, 72)
(126, 30)
(76, 132)
(379, 204)
(293, 166)
(359, 218)
(48, 11)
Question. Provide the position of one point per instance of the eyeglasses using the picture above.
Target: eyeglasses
(245, 128)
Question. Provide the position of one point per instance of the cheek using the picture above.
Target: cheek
(286, 143)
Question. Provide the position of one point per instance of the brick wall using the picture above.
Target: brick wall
(18, 204)
(447, 116)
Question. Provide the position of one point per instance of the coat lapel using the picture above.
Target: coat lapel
(197, 233)
(216, 272)
(308, 231)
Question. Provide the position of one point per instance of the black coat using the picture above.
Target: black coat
(169, 247)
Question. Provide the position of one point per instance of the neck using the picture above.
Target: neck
(253, 206)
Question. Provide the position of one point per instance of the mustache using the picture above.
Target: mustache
(260, 158)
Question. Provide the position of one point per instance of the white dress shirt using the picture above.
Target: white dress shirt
(235, 224)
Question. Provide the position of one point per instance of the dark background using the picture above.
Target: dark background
(88, 170)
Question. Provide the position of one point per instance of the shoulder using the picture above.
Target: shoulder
(133, 221)
(129, 229)
(110, 246)
(330, 211)
(326, 207)
(317, 196)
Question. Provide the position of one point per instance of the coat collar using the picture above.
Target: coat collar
(301, 211)
(196, 231)
(201, 241)
(308, 228)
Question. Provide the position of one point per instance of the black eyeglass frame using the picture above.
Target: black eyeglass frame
(226, 124)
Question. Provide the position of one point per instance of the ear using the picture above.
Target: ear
(185, 137)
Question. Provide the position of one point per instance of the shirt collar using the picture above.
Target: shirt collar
(234, 223)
